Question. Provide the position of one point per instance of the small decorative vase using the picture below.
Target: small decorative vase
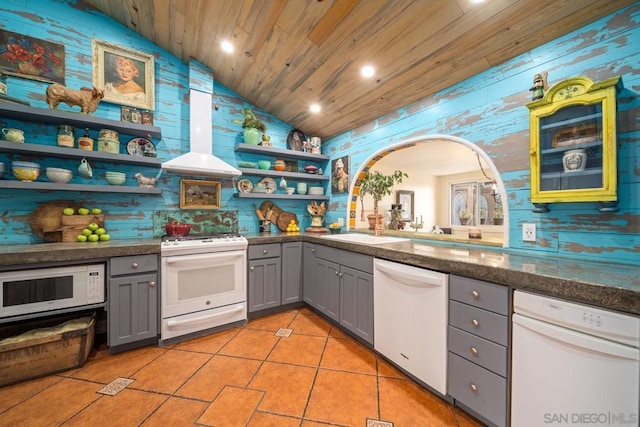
(301, 188)
(252, 136)
(317, 220)
(574, 160)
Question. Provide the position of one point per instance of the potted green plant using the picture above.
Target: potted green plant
(252, 126)
(465, 216)
(379, 185)
(498, 215)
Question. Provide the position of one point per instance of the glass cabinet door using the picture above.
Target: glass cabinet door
(571, 149)
(573, 143)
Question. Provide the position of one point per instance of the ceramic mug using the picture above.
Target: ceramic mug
(301, 188)
(13, 135)
(85, 169)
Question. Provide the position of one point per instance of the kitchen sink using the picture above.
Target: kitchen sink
(365, 239)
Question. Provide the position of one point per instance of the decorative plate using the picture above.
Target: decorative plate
(141, 147)
(269, 184)
(295, 140)
(245, 186)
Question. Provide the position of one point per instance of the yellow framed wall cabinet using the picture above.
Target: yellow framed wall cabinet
(573, 144)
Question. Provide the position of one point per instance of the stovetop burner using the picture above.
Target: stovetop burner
(205, 243)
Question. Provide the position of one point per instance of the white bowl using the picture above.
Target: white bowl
(290, 190)
(59, 175)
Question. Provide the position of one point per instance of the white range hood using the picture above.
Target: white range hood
(200, 160)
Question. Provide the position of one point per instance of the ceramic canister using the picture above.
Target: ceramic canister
(109, 145)
(574, 160)
(301, 188)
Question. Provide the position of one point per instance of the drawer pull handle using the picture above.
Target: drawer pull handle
(264, 252)
(134, 265)
(473, 388)
(475, 294)
(475, 323)
(313, 251)
(336, 273)
(251, 269)
(152, 284)
(474, 351)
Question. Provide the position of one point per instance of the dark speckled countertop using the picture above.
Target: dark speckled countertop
(608, 285)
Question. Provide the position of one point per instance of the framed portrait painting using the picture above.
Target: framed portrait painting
(126, 76)
(196, 194)
(406, 200)
(340, 175)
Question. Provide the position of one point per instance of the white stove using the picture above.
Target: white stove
(203, 284)
(196, 244)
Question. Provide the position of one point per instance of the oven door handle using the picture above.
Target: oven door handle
(189, 258)
(174, 323)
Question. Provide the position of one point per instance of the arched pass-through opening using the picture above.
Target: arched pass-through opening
(413, 142)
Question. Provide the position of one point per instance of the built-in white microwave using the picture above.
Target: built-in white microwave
(44, 289)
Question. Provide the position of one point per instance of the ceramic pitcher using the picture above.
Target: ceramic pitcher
(13, 135)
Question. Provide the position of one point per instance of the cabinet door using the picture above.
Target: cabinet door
(328, 288)
(309, 273)
(264, 284)
(291, 272)
(133, 308)
(356, 302)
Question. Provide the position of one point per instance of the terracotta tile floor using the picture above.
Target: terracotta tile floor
(246, 376)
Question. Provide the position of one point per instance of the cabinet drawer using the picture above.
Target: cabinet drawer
(479, 389)
(478, 350)
(477, 293)
(133, 264)
(264, 251)
(342, 257)
(486, 324)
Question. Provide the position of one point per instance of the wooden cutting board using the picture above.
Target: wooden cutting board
(46, 220)
(284, 219)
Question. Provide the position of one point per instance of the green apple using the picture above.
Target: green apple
(93, 238)
(93, 226)
(83, 211)
(96, 211)
(104, 237)
(100, 231)
(68, 211)
(81, 238)
(87, 232)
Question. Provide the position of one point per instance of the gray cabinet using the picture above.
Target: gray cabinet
(264, 277)
(479, 347)
(291, 272)
(356, 302)
(309, 273)
(133, 299)
(343, 289)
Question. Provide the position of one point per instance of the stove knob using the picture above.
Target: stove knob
(176, 243)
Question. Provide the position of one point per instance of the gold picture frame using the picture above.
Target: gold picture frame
(196, 194)
(126, 76)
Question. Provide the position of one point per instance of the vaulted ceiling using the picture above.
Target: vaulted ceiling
(292, 53)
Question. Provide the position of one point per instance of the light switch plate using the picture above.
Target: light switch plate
(529, 232)
(341, 221)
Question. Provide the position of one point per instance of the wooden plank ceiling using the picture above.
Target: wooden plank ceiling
(292, 53)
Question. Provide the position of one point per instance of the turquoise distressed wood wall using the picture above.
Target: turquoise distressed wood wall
(128, 216)
(489, 111)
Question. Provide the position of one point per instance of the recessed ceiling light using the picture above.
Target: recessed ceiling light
(367, 71)
(477, 1)
(315, 108)
(227, 46)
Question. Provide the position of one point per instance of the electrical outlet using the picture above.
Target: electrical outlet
(341, 221)
(529, 232)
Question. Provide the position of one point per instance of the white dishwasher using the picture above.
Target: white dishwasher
(410, 320)
(573, 364)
